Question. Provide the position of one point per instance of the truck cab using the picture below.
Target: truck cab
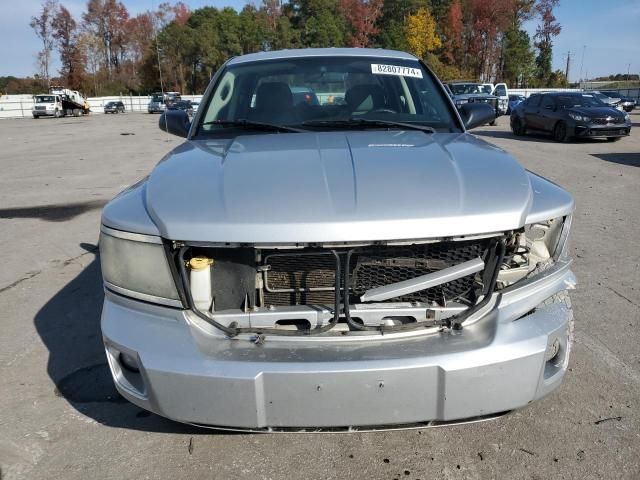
(47, 105)
(501, 91)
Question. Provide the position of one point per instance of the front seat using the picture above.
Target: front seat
(364, 98)
(274, 103)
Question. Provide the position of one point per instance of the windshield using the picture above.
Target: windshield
(584, 100)
(467, 88)
(313, 92)
(45, 99)
(158, 98)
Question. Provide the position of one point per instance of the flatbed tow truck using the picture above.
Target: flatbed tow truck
(60, 102)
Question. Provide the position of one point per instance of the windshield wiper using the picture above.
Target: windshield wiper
(244, 123)
(366, 122)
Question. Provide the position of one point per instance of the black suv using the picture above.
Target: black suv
(567, 115)
(114, 107)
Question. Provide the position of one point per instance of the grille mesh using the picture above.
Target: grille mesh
(302, 275)
(610, 121)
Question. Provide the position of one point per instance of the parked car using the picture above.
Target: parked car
(628, 104)
(514, 100)
(335, 266)
(567, 115)
(184, 105)
(468, 92)
(114, 107)
(160, 101)
(614, 102)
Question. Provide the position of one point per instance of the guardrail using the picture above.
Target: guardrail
(17, 106)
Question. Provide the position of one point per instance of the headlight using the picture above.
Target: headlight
(579, 118)
(136, 265)
(534, 249)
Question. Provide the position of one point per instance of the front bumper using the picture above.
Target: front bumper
(618, 130)
(190, 373)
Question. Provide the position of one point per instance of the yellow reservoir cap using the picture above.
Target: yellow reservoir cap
(200, 263)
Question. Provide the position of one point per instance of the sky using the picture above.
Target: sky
(603, 37)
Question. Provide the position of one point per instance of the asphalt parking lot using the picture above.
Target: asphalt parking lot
(61, 418)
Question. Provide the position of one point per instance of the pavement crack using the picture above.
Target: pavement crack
(28, 276)
(598, 422)
(623, 296)
(91, 249)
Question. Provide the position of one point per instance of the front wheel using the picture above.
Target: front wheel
(494, 123)
(560, 132)
(57, 113)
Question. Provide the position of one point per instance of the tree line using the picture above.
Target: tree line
(109, 51)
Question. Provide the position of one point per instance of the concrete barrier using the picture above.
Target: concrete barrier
(17, 106)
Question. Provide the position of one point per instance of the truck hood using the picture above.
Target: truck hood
(336, 187)
(596, 112)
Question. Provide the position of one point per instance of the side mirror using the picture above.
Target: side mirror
(476, 114)
(175, 122)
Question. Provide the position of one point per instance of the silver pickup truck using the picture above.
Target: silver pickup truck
(359, 261)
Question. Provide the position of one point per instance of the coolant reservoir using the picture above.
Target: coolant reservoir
(200, 278)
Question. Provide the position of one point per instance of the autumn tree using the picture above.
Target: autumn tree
(90, 47)
(361, 16)
(106, 19)
(454, 34)
(65, 33)
(421, 33)
(42, 25)
(489, 20)
(545, 32)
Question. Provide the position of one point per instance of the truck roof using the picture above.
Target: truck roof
(321, 52)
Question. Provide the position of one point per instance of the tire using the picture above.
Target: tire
(494, 123)
(57, 113)
(613, 139)
(36, 116)
(560, 132)
(518, 128)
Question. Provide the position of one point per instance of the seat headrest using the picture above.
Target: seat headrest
(273, 95)
(365, 97)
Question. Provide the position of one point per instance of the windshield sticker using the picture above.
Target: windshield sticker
(380, 69)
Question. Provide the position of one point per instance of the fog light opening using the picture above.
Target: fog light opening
(552, 351)
(129, 363)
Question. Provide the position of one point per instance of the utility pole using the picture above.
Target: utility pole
(566, 72)
(584, 47)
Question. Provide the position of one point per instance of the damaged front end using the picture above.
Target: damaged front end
(349, 289)
(297, 337)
